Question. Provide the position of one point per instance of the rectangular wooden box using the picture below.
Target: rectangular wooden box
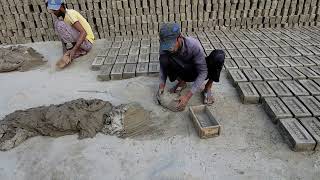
(205, 123)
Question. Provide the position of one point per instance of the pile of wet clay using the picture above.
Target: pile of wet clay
(19, 58)
(86, 117)
(168, 100)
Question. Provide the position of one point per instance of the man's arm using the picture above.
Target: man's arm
(163, 70)
(82, 36)
(201, 67)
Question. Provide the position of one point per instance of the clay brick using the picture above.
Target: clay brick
(305, 61)
(154, 68)
(296, 135)
(311, 86)
(144, 50)
(129, 71)
(294, 73)
(110, 60)
(246, 53)
(248, 94)
(121, 60)
(113, 52)
(260, 44)
(208, 47)
(276, 109)
(218, 45)
(280, 51)
(234, 53)
(296, 88)
(312, 104)
(103, 52)
(315, 59)
(292, 51)
(258, 53)
(142, 69)
(116, 44)
(242, 63)
(239, 45)
(266, 74)
(292, 61)
(255, 63)
(308, 72)
(250, 45)
(279, 61)
(317, 81)
(104, 74)
(267, 62)
(132, 59)
(304, 51)
(134, 50)
(314, 49)
(230, 64)
(269, 52)
(282, 43)
(143, 58)
(280, 89)
(292, 42)
(236, 76)
(296, 107)
(97, 63)
(281, 74)
(252, 75)
(154, 57)
(312, 125)
(271, 44)
(315, 69)
(116, 72)
(123, 51)
(228, 45)
(264, 90)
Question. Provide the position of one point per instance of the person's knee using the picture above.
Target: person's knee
(164, 61)
(216, 57)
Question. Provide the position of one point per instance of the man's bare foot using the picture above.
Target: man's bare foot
(181, 85)
(208, 98)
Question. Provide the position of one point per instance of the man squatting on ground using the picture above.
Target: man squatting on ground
(183, 59)
(74, 29)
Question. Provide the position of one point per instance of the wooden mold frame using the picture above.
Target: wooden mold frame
(205, 123)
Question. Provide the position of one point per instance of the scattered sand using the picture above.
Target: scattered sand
(86, 117)
(19, 58)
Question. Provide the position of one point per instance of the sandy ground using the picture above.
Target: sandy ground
(250, 146)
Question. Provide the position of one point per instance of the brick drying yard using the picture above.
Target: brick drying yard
(267, 101)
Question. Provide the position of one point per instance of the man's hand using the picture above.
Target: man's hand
(183, 101)
(161, 88)
(71, 53)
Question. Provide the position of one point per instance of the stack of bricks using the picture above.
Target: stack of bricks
(281, 70)
(23, 21)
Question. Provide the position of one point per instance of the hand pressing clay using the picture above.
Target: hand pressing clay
(169, 101)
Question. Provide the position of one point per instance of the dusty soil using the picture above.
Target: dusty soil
(19, 58)
(250, 146)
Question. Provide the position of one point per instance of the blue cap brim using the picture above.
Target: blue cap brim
(54, 7)
(167, 45)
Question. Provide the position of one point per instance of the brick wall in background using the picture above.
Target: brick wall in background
(23, 21)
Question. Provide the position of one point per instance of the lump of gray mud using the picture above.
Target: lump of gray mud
(19, 58)
(168, 100)
(86, 117)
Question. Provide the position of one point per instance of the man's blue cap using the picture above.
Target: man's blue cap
(55, 4)
(168, 35)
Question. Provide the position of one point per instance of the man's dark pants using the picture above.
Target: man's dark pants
(188, 72)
